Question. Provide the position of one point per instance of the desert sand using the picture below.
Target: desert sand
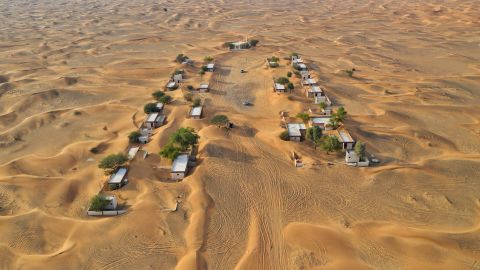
(76, 74)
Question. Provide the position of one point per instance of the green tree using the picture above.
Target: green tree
(196, 102)
(170, 151)
(282, 80)
(253, 42)
(112, 162)
(208, 59)
(360, 149)
(289, 74)
(165, 99)
(204, 68)
(290, 86)
(184, 137)
(133, 136)
(330, 144)
(158, 94)
(273, 59)
(98, 203)
(323, 105)
(304, 116)
(293, 54)
(220, 120)
(314, 134)
(150, 108)
(284, 135)
(341, 114)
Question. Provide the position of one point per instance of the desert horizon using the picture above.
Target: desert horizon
(75, 81)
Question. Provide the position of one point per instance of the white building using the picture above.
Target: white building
(309, 82)
(302, 66)
(196, 112)
(177, 78)
(304, 74)
(172, 85)
(180, 167)
(160, 106)
(112, 203)
(132, 152)
(351, 158)
(278, 87)
(322, 122)
(118, 179)
(315, 91)
(296, 131)
(203, 87)
(211, 67)
(154, 120)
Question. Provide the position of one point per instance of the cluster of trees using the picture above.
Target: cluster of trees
(338, 117)
(179, 141)
(162, 97)
(220, 120)
(285, 81)
(112, 162)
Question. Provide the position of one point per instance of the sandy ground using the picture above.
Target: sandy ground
(76, 74)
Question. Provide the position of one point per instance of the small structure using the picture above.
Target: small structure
(322, 122)
(279, 88)
(171, 85)
(132, 152)
(178, 78)
(302, 67)
(296, 60)
(297, 161)
(118, 179)
(203, 87)
(196, 112)
(352, 159)
(309, 82)
(210, 67)
(145, 135)
(344, 138)
(315, 91)
(112, 203)
(160, 106)
(324, 98)
(304, 74)
(240, 45)
(180, 167)
(154, 120)
(296, 131)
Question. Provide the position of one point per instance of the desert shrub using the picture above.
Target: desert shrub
(77, 113)
(98, 203)
(170, 151)
(133, 136)
(304, 116)
(253, 42)
(208, 59)
(282, 80)
(284, 135)
(290, 86)
(181, 58)
(188, 96)
(112, 162)
(220, 120)
(165, 99)
(158, 94)
(190, 87)
(94, 150)
(297, 74)
(350, 72)
(150, 108)
(360, 149)
(196, 102)
(289, 74)
(330, 144)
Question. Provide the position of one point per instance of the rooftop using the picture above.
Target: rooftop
(132, 152)
(320, 120)
(152, 117)
(118, 176)
(204, 86)
(310, 81)
(279, 86)
(297, 61)
(180, 163)
(210, 66)
(302, 66)
(196, 111)
(315, 89)
(171, 84)
(160, 105)
(294, 129)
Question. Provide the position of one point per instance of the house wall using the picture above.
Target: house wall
(177, 175)
(295, 139)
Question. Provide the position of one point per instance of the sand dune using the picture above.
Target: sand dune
(75, 75)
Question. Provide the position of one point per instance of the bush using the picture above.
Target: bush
(273, 59)
(289, 74)
(178, 71)
(330, 143)
(284, 135)
(297, 74)
(190, 87)
(282, 80)
(165, 99)
(98, 203)
(360, 149)
(197, 102)
(94, 150)
(181, 58)
(77, 113)
(296, 66)
(253, 42)
(350, 72)
(184, 137)
(170, 151)
(150, 107)
(208, 59)
(201, 72)
(133, 136)
(158, 94)
(220, 120)
(290, 86)
(112, 162)
(188, 96)
(204, 68)
(304, 116)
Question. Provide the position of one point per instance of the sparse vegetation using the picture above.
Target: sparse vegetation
(290, 86)
(322, 105)
(350, 72)
(158, 94)
(98, 203)
(165, 99)
(208, 59)
(178, 71)
(338, 117)
(77, 113)
(133, 136)
(360, 149)
(190, 87)
(112, 162)
(170, 151)
(220, 120)
(303, 116)
(203, 68)
(314, 134)
(182, 58)
(284, 135)
(150, 108)
(297, 74)
(94, 150)
(282, 80)
(188, 96)
(293, 54)
(330, 144)
(181, 140)
(289, 74)
(253, 42)
(196, 102)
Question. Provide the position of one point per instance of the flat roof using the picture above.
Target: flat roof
(294, 129)
(298, 60)
(152, 117)
(180, 163)
(160, 105)
(320, 120)
(211, 65)
(160, 118)
(118, 176)
(315, 89)
(133, 151)
(302, 66)
(204, 86)
(279, 86)
(345, 136)
(196, 111)
(171, 84)
(310, 81)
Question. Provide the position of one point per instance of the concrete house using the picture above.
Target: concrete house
(296, 131)
(304, 74)
(343, 137)
(302, 67)
(160, 106)
(320, 121)
(180, 167)
(203, 87)
(279, 88)
(211, 67)
(309, 82)
(154, 120)
(196, 112)
(132, 152)
(314, 91)
(112, 203)
(296, 60)
(171, 85)
(351, 158)
(177, 78)
(118, 179)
